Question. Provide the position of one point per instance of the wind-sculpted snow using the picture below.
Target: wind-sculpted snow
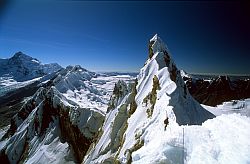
(212, 143)
(224, 139)
(159, 93)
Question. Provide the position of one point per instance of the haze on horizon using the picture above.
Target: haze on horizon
(203, 37)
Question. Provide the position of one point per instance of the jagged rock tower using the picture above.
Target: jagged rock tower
(137, 122)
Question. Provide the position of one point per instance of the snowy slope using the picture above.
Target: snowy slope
(234, 106)
(87, 89)
(138, 120)
(223, 140)
(11, 85)
(211, 143)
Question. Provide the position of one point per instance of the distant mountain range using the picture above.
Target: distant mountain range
(22, 67)
(214, 90)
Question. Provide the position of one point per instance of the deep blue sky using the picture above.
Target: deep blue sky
(203, 37)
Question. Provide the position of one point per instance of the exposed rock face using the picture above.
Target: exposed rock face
(151, 97)
(71, 134)
(115, 123)
(15, 98)
(219, 90)
(150, 50)
(133, 104)
(120, 90)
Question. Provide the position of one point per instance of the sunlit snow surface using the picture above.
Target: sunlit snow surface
(222, 140)
(97, 91)
(234, 106)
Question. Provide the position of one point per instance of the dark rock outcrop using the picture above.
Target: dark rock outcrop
(218, 90)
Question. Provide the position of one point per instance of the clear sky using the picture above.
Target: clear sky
(203, 37)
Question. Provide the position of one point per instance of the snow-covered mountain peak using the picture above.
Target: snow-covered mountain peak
(159, 67)
(21, 67)
(184, 74)
(157, 45)
(77, 68)
(156, 38)
(23, 59)
(161, 76)
(21, 55)
(77, 72)
(159, 56)
(137, 120)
